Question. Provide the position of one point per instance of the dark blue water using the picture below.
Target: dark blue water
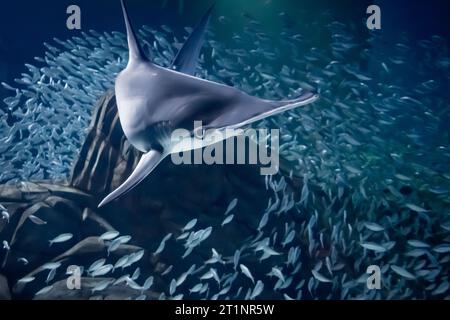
(25, 25)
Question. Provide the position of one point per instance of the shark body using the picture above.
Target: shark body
(153, 101)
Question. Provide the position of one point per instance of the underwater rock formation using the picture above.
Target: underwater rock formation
(105, 147)
(4, 289)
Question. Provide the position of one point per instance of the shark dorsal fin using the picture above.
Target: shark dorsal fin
(187, 58)
(134, 49)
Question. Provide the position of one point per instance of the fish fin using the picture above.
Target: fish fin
(252, 109)
(186, 59)
(304, 99)
(134, 49)
(146, 165)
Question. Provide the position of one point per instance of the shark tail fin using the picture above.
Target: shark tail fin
(146, 164)
(134, 49)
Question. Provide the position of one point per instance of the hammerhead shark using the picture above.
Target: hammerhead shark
(153, 101)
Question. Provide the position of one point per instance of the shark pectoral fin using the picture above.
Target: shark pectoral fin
(305, 98)
(260, 109)
(284, 105)
(146, 165)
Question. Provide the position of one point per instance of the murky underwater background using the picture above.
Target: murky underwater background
(364, 177)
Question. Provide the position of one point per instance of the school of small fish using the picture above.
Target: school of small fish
(372, 156)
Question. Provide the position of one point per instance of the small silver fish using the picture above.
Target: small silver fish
(189, 225)
(288, 239)
(134, 257)
(102, 270)
(246, 272)
(136, 273)
(206, 234)
(418, 244)
(44, 290)
(236, 256)
(403, 272)
(373, 246)
(187, 252)
(215, 275)
(402, 177)
(372, 226)
(259, 287)
(442, 288)
(61, 238)
(319, 276)
(169, 268)
(287, 297)
(96, 264)
(5, 216)
(148, 283)
(196, 288)
(227, 219)
(121, 262)
(446, 226)
(7, 86)
(162, 244)
(123, 239)
(183, 277)
(216, 258)
(26, 279)
(208, 275)
(173, 287)
(231, 206)
(37, 220)
(224, 291)
(442, 248)
(51, 265)
(102, 285)
(183, 236)
(51, 275)
(263, 221)
(277, 273)
(109, 235)
(121, 279)
(115, 244)
(415, 208)
(6, 245)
